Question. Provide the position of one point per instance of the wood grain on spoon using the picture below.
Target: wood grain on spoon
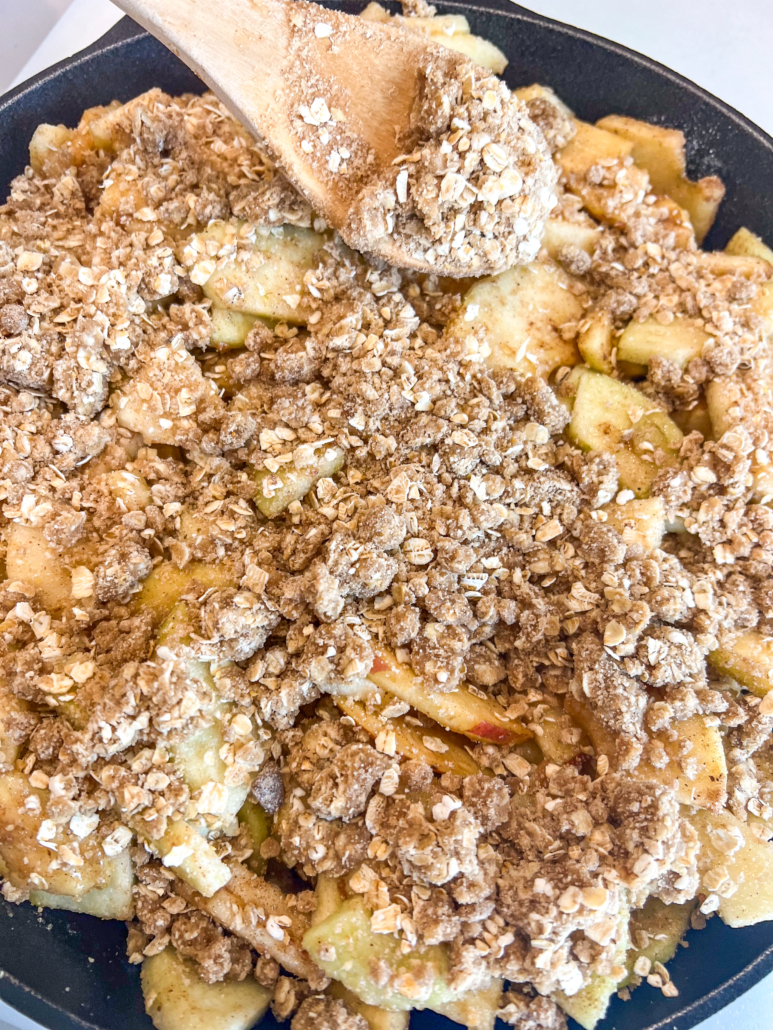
(259, 57)
(329, 96)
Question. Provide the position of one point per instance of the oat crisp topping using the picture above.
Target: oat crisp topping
(475, 189)
(349, 604)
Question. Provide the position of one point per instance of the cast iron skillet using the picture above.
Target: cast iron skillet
(68, 971)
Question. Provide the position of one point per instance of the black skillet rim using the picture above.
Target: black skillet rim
(29, 1002)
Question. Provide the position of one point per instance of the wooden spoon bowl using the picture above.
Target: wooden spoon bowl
(328, 95)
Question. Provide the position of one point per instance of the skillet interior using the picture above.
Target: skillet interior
(45, 970)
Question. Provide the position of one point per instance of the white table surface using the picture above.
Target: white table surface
(724, 45)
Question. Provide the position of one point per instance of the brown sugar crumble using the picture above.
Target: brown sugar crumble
(476, 188)
(343, 598)
(472, 183)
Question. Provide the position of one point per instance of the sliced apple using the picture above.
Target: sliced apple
(560, 233)
(229, 328)
(611, 416)
(640, 522)
(747, 657)
(166, 584)
(36, 853)
(191, 857)
(680, 341)
(31, 559)
(736, 864)
(254, 272)
(589, 145)
(114, 900)
(440, 749)
(276, 490)
(664, 927)
(176, 998)
(696, 767)
(236, 906)
(596, 342)
(661, 152)
(461, 711)
(746, 244)
(519, 314)
(589, 1005)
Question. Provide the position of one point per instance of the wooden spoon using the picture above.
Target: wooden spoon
(285, 68)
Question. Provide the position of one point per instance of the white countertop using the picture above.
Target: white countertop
(724, 45)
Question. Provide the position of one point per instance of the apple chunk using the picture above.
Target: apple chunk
(614, 417)
(702, 782)
(254, 272)
(736, 864)
(596, 342)
(680, 342)
(589, 145)
(276, 490)
(746, 244)
(640, 522)
(661, 153)
(460, 710)
(176, 998)
(519, 315)
(748, 658)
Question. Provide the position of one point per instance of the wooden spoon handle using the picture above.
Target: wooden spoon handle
(237, 48)
(268, 60)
